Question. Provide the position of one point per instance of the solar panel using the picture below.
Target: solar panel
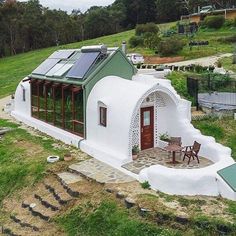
(62, 54)
(43, 68)
(82, 65)
(57, 67)
(63, 69)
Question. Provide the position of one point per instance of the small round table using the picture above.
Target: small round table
(173, 148)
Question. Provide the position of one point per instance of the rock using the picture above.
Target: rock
(120, 195)
(224, 229)
(4, 130)
(163, 217)
(144, 212)
(109, 190)
(129, 202)
(182, 219)
(32, 205)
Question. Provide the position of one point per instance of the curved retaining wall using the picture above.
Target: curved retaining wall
(202, 181)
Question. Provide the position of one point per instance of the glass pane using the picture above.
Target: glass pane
(68, 115)
(49, 92)
(58, 107)
(79, 110)
(79, 129)
(103, 116)
(42, 104)
(146, 118)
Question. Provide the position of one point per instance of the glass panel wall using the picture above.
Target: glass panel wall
(60, 105)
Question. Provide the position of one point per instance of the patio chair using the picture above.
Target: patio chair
(192, 152)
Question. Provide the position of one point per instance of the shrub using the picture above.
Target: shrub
(144, 28)
(136, 41)
(151, 40)
(234, 22)
(170, 46)
(145, 185)
(164, 137)
(214, 22)
(135, 150)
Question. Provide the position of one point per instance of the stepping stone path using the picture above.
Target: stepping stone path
(100, 172)
(69, 178)
(33, 215)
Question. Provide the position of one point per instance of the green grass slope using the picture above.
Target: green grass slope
(14, 69)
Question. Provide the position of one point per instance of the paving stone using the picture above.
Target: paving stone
(157, 156)
(100, 172)
(69, 178)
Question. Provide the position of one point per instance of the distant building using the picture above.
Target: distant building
(229, 14)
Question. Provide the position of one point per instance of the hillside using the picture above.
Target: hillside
(15, 68)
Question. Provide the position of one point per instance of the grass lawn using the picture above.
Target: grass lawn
(109, 219)
(214, 47)
(227, 64)
(224, 131)
(23, 159)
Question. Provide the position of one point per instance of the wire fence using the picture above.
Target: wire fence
(213, 91)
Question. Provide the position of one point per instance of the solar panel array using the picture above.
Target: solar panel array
(63, 70)
(47, 65)
(82, 65)
(57, 67)
(62, 54)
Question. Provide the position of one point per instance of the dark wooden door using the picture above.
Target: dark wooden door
(147, 128)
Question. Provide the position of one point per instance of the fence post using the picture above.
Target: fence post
(196, 94)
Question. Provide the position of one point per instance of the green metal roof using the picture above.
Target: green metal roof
(229, 175)
(71, 61)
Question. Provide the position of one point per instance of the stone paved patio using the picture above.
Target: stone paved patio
(157, 156)
(100, 172)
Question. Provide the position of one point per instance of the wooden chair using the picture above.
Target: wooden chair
(192, 151)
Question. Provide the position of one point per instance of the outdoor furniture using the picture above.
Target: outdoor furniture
(192, 151)
(177, 141)
(173, 148)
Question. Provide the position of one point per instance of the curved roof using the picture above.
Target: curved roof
(122, 98)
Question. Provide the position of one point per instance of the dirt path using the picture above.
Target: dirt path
(3, 102)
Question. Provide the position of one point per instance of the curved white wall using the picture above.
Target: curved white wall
(20, 106)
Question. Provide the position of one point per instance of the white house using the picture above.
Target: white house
(94, 99)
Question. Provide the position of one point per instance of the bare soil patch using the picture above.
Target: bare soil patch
(162, 60)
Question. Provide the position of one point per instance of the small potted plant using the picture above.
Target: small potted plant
(68, 157)
(135, 151)
(163, 140)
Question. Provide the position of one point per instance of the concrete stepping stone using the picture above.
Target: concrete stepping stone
(69, 178)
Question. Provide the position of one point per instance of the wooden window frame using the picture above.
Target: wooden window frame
(103, 120)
